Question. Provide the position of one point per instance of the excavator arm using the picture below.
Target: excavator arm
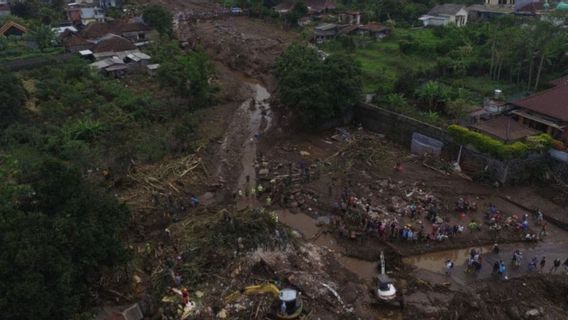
(254, 290)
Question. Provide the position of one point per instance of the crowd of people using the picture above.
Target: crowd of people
(474, 263)
(359, 217)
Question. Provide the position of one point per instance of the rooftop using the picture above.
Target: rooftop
(488, 9)
(373, 27)
(327, 26)
(320, 5)
(12, 24)
(531, 7)
(97, 30)
(551, 102)
(446, 9)
(504, 128)
(113, 43)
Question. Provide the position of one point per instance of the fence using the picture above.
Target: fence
(400, 128)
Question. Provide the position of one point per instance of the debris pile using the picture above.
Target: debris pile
(204, 244)
(311, 269)
(160, 181)
(531, 297)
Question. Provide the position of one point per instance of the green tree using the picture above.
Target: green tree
(396, 101)
(43, 36)
(315, 89)
(299, 10)
(25, 9)
(57, 233)
(12, 97)
(188, 76)
(433, 95)
(159, 18)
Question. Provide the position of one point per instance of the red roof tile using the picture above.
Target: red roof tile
(97, 30)
(113, 43)
(70, 39)
(532, 7)
(504, 128)
(12, 24)
(552, 102)
(560, 81)
(373, 27)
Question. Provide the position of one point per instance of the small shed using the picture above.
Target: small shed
(325, 32)
(12, 28)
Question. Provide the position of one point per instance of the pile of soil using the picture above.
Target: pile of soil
(247, 45)
(531, 297)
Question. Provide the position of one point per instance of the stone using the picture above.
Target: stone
(263, 172)
(293, 204)
(222, 314)
(323, 220)
(304, 153)
(513, 312)
(207, 196)
(532, 313)
(296, 234)
(199, 294)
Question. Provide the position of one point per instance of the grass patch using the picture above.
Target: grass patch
(385, 56)
(483, 86)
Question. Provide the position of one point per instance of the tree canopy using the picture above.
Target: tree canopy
(43, 36)
(158, 18)
(188, 76)
(56, 234)
(317, 89)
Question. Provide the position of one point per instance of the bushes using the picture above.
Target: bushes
(496, 148)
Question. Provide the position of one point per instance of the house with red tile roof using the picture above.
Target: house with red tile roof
(546, 111)
(12, 28)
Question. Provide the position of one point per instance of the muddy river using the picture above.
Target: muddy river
(434, 262)
(307, 226)
(257, 111)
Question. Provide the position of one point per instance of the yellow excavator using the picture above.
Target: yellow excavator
(289, 300)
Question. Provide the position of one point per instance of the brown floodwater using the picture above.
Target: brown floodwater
(434, 261)
(307, 226)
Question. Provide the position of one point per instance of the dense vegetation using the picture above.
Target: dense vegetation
(317, 89)
(58, 233)
(159, 18)
(497, 148)
(447, 70)
(68, 133)
(39, 41)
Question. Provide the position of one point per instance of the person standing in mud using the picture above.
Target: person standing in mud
(502, 270)
(496, 268)
(542, 263)
(555, 265)
(449, 266)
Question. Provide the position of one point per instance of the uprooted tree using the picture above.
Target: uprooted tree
(57, 233)
(317, 89)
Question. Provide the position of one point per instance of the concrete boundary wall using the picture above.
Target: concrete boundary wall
(399, 128)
